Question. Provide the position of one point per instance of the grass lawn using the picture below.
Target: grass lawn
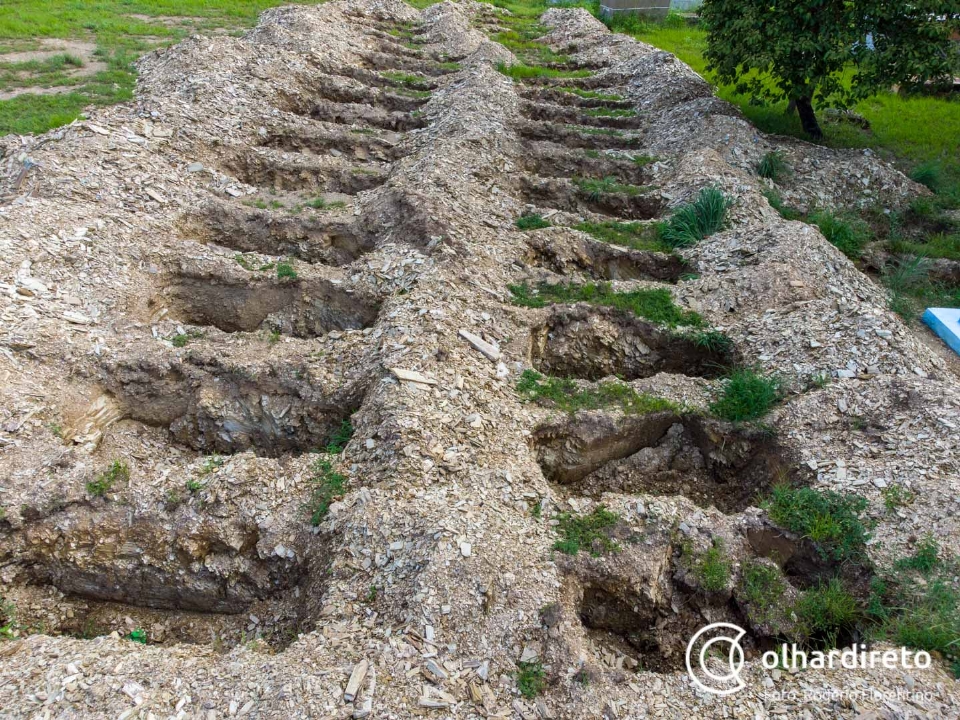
(120, 30)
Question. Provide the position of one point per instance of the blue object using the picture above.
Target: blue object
(945, 322)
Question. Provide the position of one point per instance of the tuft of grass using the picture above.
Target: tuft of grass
(531, 222)
(633, 235)
(827, 613)
(596, 188)
(746, 395)
(762, 587)
(655, 305)
(713, 340)
(830, 519)
(776, 202)
(285, 270)
(847, 233)
(924, 560)
(340, 437)
(520, 71)
(531, 679)
(713, 568)
(772, 166)
(691, 223)
(181, 339)
(920, 603)
(318, 203)
(243, 262)
(587, 532)
(567, 396)
(896, 496)
(930, 174)
(116, 472)
(138, 636)
(329, 486)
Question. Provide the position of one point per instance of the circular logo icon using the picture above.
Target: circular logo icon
(719, 658)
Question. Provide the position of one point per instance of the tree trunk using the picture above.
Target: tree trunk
(808, 119)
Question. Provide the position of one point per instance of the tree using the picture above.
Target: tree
(828, 52)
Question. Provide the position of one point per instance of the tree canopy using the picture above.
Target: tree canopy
(829, 52)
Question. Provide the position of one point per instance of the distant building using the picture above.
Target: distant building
(648, 8)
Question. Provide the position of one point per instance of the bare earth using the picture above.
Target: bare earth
(431, 578)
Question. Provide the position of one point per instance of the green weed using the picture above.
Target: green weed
(520, 71)
(772, 166)
(847, 233)
(531, 222)
(116, 472)
(634, 235)
(587, 532)
(329, 486)
(655, 305)
(286, 271)
(746, 395)
(713, 568)
(595, 188)
(531, 679)
(566, 395)
(340, 437)
(827, 613)
(831, 520)
(691, 223)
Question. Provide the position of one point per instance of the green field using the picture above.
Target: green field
(118, 30)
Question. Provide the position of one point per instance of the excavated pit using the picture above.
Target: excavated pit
(365, 116)
(600, 261)
(568, 115)
(585, 138)
(287, 171)
(548, 159)
(385, 61)
(215, 408)
(343, 93)
(363, 146)
(663, 453)
(559, 97)
(591, 343)
(328, 240)
(297, 307)
(655, 638)
(560, 194)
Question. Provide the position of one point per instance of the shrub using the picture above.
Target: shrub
(531, 678)
(587, 532)
(830, 519)
(531, 222)
(691, 223)
(746, 395)
(117, 471)
(285, 270)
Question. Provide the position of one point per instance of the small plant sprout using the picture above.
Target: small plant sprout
(691, 223)
(116, 472)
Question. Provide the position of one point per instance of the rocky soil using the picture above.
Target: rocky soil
(278, 235)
